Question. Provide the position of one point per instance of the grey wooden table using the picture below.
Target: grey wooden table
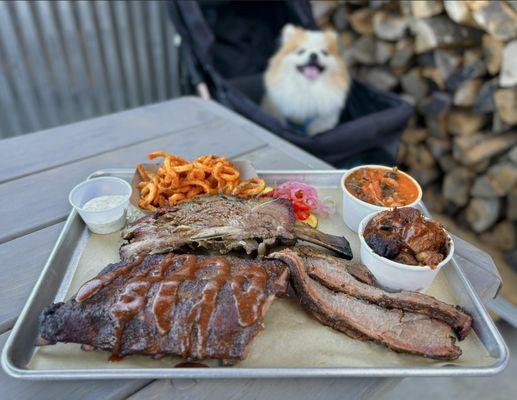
(38, 170)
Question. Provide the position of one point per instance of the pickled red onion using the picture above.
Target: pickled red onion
(301, 192)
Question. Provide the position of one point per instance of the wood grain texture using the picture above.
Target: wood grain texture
(68, 143)
(251, 389)
(45, 194)
(268, 158)
(22, 262)
(310, 161)
(11, 388)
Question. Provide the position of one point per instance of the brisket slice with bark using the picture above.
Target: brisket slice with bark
(400, 330)
(334, 274)
(223, 223)
(192, 306)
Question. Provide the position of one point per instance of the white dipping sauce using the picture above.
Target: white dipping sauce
(102, 203)
(102, 223)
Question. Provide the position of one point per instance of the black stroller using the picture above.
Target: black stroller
(225, 47)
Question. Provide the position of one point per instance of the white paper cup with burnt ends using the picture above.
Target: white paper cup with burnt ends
(354, 209)
(394, 275)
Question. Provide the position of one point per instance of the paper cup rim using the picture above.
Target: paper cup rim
(373, 206)
(104, 178)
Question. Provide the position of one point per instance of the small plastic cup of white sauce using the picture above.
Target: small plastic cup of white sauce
(102, 203)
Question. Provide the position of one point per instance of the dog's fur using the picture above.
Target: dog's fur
(306, 81)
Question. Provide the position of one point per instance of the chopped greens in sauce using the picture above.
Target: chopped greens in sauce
(382, 187)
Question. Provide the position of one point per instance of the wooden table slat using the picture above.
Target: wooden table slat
(250, 128)
(268, 158)
(11, 388)
(252, 389)
(45, 195)
(22, 262)
(49, 148)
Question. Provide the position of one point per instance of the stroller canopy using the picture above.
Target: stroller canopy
(227, 44)
(236, 38)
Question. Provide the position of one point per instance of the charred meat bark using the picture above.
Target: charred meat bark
(397, 328)
(196, 307)
(405, 236)
(223, 223)
(334, 274)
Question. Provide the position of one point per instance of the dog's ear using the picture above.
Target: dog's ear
(288, 31)
(332, 41)
(331, 34)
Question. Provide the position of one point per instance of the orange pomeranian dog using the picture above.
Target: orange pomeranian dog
(306, 81)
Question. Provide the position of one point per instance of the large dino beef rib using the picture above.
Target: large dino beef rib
(196, 307)
(339, 295)
(223, 223)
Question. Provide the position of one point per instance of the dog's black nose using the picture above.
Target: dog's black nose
(313, 57)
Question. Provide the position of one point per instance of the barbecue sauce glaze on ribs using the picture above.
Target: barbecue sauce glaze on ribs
(196, 307)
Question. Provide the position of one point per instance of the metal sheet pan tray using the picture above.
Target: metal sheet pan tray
(57, 276)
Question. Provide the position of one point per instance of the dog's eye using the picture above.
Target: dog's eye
(300, 52)
(325, 52)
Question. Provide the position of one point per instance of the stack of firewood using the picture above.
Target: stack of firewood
(456, 63)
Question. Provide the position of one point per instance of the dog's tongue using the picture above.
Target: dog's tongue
(311, 72)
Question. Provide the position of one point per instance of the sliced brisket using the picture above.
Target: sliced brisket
(334, 274)
(399, 330)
